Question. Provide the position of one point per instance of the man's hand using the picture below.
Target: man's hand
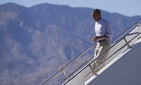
(98, 37)
(95, 38)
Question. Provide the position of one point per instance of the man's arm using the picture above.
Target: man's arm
(98, 37)
(109, 31)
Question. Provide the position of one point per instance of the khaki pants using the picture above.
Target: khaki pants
(100, 48)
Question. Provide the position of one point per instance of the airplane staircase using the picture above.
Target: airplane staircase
(122, 65)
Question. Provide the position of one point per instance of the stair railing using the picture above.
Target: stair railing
(90, 61)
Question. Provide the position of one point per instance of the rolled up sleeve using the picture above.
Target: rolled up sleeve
(109, 31)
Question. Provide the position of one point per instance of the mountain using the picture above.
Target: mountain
(37, 41)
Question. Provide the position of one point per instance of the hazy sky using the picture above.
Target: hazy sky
(125, 7)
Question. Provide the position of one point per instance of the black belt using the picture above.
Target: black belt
(102, 40)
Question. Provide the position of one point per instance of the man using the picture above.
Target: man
(103, 33)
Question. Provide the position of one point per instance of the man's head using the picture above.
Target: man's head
(96, 14)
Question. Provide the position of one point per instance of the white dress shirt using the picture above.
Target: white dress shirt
(103, 27)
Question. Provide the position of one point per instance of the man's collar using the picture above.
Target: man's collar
(99, 20)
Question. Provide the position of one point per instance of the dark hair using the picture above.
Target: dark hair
(97, 11)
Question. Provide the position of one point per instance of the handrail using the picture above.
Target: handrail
(69, 63)
(114, 42)
(129, 29)
(98, 58)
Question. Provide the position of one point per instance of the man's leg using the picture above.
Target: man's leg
(101, 47)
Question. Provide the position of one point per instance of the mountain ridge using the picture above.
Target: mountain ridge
(38, 41)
